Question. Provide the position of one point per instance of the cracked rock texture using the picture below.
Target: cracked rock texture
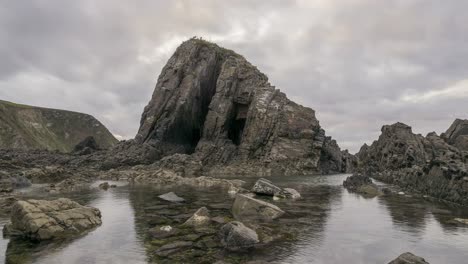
(44, 220)
(213, 104)
(431, 165)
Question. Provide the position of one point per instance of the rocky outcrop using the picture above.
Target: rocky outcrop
(248, 208)
(457, 134)
(236, 236)
(427, 165)
(361, 184)
(408, 258)
(213, 104)
(28, 127)
(44, 220)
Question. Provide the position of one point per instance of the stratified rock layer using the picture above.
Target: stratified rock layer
(44, 220)
(212, 103)
(431, 165)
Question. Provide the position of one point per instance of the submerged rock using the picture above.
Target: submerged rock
(361, 184)
(236, 236)
(104, 186)
(171, 197)
(199, 218)
(163, 231)
(291, 193)
(44, 220)
(248, 208)
(408, 258)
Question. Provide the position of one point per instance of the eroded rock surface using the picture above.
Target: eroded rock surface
(429, 165)
(44, 220)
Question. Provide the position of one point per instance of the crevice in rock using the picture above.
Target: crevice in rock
(237, 123)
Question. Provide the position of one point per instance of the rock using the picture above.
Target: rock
(163, 232)
(219, 219)
(291, 193)
(69, 185)
(408, 258)
(433, 166)
(266, 187)
(386, 191)
(213, 104)
(86, 146)
(171, 197)
(457, 134)
(248, 208)
(172, 248)
(6, 202)
(44, 220)
(361, 184)
(461, 220)
(104, 186)
(199, 218)
(236, 236)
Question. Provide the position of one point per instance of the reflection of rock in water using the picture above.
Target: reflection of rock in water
(304, 218)
(408, 214)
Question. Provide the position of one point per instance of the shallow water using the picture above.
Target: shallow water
(332, 226)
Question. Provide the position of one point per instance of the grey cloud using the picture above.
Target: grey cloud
(352, 61)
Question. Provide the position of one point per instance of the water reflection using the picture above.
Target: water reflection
(331, 224)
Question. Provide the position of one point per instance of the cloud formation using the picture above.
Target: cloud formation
(359, 63)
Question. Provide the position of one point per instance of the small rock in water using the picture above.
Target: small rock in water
(163, 232)
(104, 186)
(199, 218)
(401, 193)
(408, 258)
(266, 187)
(246, 207)
(171, 197)
(236, 236)
(291, 193)
(461, 220)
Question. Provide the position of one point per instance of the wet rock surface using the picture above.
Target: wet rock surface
(236, 236)
(361, 184)
(408, 258)
(248, 208)
(45, 220)
(432, 165)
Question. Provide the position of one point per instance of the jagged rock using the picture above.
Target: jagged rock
(457, 134)
(361, 184)
(266, 187)
(86, 146)
(248, 208)
(199, 218)
(427, 165)
(44, 220)
(408, 258)
(171, 197)
(236, 236)
(211, 103)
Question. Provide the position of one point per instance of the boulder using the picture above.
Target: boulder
(104, 186)
(361, 184)
(44, 220)
(408, 258)
(171, 197)
(236, 236)
(199, 218)
(291, 193)
(266, 187)
(248, 208)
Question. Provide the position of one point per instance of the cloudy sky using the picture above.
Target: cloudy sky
(359, 63)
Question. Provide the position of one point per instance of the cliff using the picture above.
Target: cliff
(29, 127)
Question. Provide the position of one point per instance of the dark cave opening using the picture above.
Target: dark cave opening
(237, 123)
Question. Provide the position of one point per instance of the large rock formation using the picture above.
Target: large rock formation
(212, 103)
(457, 134)
(28, 127)
(429, 165)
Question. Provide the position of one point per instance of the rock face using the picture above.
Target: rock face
(28, 127)
(236, 236)
(212, 103)
(408, 258)
(457, 134)
(248, 208)
(429, 165)
(44, 220)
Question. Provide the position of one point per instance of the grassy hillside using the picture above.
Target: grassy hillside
(29, 127)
